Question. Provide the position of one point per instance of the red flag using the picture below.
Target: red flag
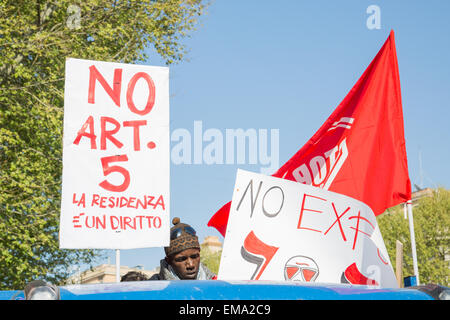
(360, 150)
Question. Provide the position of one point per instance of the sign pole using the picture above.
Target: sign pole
(399, 262)
(413, 240)
(117, 265)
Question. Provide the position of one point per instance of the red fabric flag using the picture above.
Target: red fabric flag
(360, 150)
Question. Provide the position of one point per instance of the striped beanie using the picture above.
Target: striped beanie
(182, 237)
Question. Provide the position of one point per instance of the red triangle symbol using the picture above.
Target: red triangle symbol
(308, 274)
(291, 271)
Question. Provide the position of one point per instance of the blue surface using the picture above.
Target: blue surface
(226, 290)
(410, 281)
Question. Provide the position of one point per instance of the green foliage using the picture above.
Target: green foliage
(211, 259)
(36, 37)
(431, 225)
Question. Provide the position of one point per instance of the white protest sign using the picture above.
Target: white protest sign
(115, 183)
(284, 230)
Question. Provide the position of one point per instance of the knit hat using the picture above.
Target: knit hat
(182, 237)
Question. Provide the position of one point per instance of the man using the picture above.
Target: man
(182, 261)
(134, 276)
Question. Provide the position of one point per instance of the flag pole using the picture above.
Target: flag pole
(117, 265)
(413, 240)
(405, 211)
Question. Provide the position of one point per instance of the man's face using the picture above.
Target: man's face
(186, 263)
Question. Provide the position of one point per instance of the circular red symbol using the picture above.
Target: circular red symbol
(301, 268)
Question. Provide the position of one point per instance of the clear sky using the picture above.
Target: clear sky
(286, 65)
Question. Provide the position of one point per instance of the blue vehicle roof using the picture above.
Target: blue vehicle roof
(227, 290)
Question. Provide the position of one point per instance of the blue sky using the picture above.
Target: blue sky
(287, 65)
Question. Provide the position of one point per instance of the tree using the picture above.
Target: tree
(431, 229)
(211, 259)
(35, 39)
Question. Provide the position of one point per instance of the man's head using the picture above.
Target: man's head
(183, 254)
(134, 276)
(185, 263)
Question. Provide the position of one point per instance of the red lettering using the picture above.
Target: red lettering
(131, 202)
(82, 133)
(81, 202)
(311, 210)
(93, 222)
(123, 202)
(87, 130)
(100, 223)
(135, 124)
(107, 170)
(113, 226)
(143, 204)
(150, 203)
(95, 199)
(140, 221)
(76, 220)
(149, 221)
(114, 92)
(102, 202)
(158, 219)
(338, 220)
(160, 202)
(108, 134)
(151, 93)
(111, 202)
(118, 222)
(127, 222)
(358, 218)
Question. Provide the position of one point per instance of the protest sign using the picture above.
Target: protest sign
(115, 183)
(284, 230)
